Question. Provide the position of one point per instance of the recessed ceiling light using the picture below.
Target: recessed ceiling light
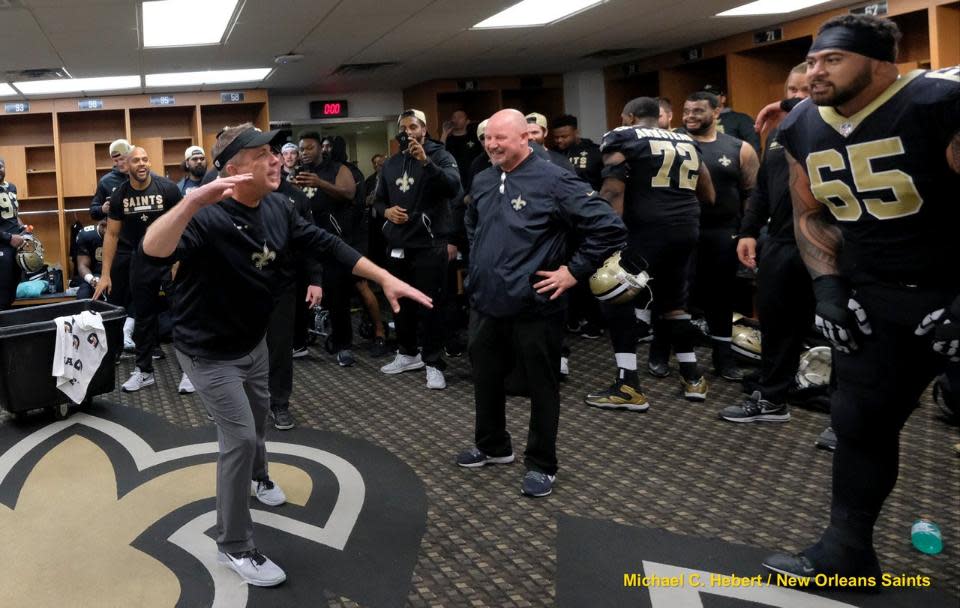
(77, 85)
(185, 22)
(529, 13)
(6, 89)
(770, 7)
(175, 79)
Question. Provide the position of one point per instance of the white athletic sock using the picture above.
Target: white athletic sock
(626, 361)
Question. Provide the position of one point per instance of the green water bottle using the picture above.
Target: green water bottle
(926, 536)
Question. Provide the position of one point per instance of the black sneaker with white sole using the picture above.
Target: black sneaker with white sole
(755, 408)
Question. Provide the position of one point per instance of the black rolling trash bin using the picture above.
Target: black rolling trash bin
(26, 355)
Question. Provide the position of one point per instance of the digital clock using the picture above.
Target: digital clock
(332, 108)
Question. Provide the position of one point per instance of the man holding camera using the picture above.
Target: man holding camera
(413, 195)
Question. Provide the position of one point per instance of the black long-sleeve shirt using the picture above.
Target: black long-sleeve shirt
(231, 260)
(770, 200)
(105, 187)
(527, 226)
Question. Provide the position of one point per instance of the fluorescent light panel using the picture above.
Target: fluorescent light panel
(6, 89)
(770, 7)
(76, 85)
(185, 22)
(529, 13)
(176, 79)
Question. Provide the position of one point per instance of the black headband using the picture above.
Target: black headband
(861, 41)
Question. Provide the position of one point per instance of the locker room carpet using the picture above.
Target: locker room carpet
(636, 493)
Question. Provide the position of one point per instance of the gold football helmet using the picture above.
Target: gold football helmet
(619, 280)
(30, 254)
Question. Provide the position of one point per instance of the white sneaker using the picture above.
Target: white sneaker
(564, 366)
(253, 567)
(186, 387)
(137, 381)
(268, 493)
(403, 363)
(435, 378)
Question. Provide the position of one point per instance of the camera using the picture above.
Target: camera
(404, 140)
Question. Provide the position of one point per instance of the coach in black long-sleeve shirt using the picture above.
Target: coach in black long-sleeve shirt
(230, 237)
(519, 223)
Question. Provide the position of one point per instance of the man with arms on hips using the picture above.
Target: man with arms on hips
(230, 236)
(518, 222)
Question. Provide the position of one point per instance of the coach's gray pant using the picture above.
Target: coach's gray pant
(236, 394)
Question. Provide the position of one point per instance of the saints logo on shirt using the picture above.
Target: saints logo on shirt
(262, 258)
(404, 182)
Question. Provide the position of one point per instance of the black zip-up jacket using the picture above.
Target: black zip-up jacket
(105, 187)
(586, 160)
(424, 191)
(528, 227)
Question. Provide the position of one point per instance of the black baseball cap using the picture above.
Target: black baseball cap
(713, 88)
(251, 138)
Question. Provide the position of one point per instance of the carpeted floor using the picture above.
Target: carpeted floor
(676, 469)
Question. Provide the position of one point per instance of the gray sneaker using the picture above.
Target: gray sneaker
(137, 381)
(435, 379)
(253, 567)
(268, 493)
(403, 363)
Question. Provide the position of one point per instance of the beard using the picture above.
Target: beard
(837, 96)
(198, 171)
(702, 129)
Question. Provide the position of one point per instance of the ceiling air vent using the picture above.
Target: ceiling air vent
(609, 53)
(37, 74)
(349, 69)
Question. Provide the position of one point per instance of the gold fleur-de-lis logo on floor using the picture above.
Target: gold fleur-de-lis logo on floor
(263, 258)
(725, 161)
(404, 182)
(518, 203)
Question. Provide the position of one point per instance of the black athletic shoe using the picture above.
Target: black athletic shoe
(454, 350)
(756, 409)
(282, 419)
(158, 353)
(658, 369)
(591, 331)
(379, 348)
(731, 373)
(799, 566)
(827, 440)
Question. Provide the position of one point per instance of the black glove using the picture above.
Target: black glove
(945, 324)
(840, 318)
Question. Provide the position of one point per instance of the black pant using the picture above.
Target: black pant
(878, 387)
(495, 346)
(303, 314)
(425, 269)
(144, 280)
(280, 348)
(714, 279)
(337, 291)
(786, 307)
(668, 253)
(9, 276)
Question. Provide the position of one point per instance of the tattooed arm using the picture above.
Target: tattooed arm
(819, 241)
(749, 165)
(953, 153)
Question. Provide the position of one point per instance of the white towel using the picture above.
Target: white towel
(81, 343)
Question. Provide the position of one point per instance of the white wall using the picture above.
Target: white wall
(369, 104)
(584, 97)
